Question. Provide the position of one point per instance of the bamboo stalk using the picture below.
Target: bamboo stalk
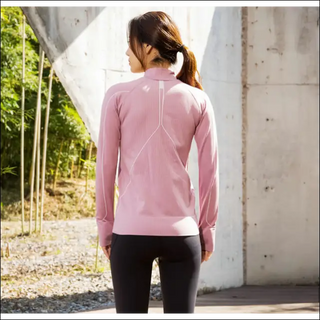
(116, 198)
(44, 156)
(72, 160)
(35, 138)
(79, 163)
(38, 158)
(38, 173)
(72, 165)
(97, 254)
(72, 168)
(88, 165)
(30, 174)
(57, 166)
(68, 157)
(22, 118)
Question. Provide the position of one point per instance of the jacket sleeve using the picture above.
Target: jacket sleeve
(106, 166)
(207, 144)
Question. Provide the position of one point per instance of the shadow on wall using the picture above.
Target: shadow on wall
(55, 20)
(222, 59)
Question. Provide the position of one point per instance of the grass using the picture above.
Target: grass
(69, 202)
(8, 278)
(69, 271)
(35, 237)
(57, 252)
(8, 282)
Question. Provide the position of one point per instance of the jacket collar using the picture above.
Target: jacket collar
(160, 74)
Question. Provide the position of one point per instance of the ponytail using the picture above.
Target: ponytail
(189, 70)
(157, 29)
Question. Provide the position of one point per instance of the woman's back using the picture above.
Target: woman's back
(158, 118)
(152, 122)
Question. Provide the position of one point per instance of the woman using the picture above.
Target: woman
(151, 122)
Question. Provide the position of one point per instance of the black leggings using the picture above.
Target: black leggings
(131, 267)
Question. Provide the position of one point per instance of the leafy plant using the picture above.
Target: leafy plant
(7, 170)
(64, 124)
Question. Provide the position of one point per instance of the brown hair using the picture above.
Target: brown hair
(157, 29)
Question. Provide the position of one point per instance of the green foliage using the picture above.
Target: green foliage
(11, 67)
(8, 170)
(64, 124)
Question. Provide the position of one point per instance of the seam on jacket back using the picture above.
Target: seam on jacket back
(135, 160)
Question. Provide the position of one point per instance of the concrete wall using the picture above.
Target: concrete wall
(282, 145)
(87, 46)
(221, 73)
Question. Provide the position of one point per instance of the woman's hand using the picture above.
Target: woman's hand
(107, 250)
(205, 256)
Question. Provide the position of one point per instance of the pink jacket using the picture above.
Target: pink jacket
(151, 122)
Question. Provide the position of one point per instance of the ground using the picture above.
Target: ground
(56, 271)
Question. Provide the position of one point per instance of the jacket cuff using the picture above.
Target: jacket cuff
(207, 238)
(105, 232)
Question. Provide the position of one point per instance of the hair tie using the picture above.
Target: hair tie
(180, 49)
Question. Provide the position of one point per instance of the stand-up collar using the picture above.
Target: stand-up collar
(160, 74)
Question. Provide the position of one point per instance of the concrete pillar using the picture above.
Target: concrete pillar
(282, 146)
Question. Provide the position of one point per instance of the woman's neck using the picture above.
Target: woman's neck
(163, 66)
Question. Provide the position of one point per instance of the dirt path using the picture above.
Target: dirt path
(56, 272)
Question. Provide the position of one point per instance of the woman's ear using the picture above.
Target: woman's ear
(147, 48)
